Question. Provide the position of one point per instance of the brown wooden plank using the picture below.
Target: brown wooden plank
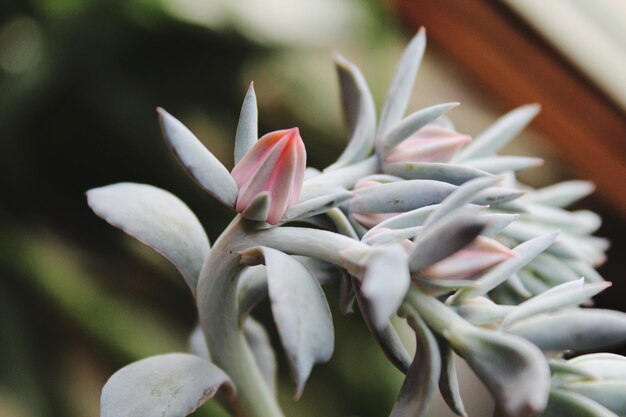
(515, 66)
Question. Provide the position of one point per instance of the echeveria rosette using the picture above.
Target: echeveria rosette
(413, 220)
(426, 151)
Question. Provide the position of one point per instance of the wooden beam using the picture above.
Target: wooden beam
(516, 67)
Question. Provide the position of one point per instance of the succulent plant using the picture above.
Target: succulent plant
(412, 220)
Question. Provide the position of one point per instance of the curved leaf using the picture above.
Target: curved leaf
(576, 329)
(300, 311)
(602, 365)
(158, 219)
(201, 164)
(385, 282)
(499, 134)
(569, 294)
(438, 171)
(563, 403)
(359, 112)
(317, 205)
(461, 196)
(251, 289)
(610, 394)
(581, 221)
(261, 348)
(448, 381)
(443, 239)
(524, 253)
(513, 370)
(421, 380)
(197, 343)
(501, 164)
(402, 83)
(400, 196)
(413, 123)
(171, 385)
(562, 194)
(386, 336)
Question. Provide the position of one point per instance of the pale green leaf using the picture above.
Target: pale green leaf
(170, 385)
(158, 219)
(201, 164)
(247, 128)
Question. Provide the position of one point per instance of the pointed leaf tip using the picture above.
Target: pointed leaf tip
(247, 127)
(402, 83)
(199, 162)
(359, 113)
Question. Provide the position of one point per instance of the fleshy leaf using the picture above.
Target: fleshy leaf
(251, 289)
(501, 164)
(158, 219)
(448, 381)
(602, 365)
(199, 162)
(438, 171)
(524, 253)
(461, 196)
(247, 128)
(569, 294)
(563, 403)
(413, 123)
(402, 84)
(575, 329)
(481, 311)
(562, 194)
(421, 380)
(478, 256)
(300, 311)
(347, 295)
(259, 208)
(443, 239)
(406, 220)
(514, 371)
(552, 270)
(261, 348)
(400, 196)
(385, 282)
(252, 285)
(610, 394)
(497, 195)
(345, 177)
(581, 221)
(499, 134)
(171, 385)
(359, 112)
(497, 222)
(568, 245)
(386, 336)
(317, 205)
(197, 343)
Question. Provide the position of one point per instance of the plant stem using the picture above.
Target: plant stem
(438, 316)
(218, 310)
(219, 318)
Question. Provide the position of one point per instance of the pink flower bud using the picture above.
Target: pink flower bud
(275, 166)
(481, 254)
(431, 143)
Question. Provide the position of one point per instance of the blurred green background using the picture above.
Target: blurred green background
(79, 82)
